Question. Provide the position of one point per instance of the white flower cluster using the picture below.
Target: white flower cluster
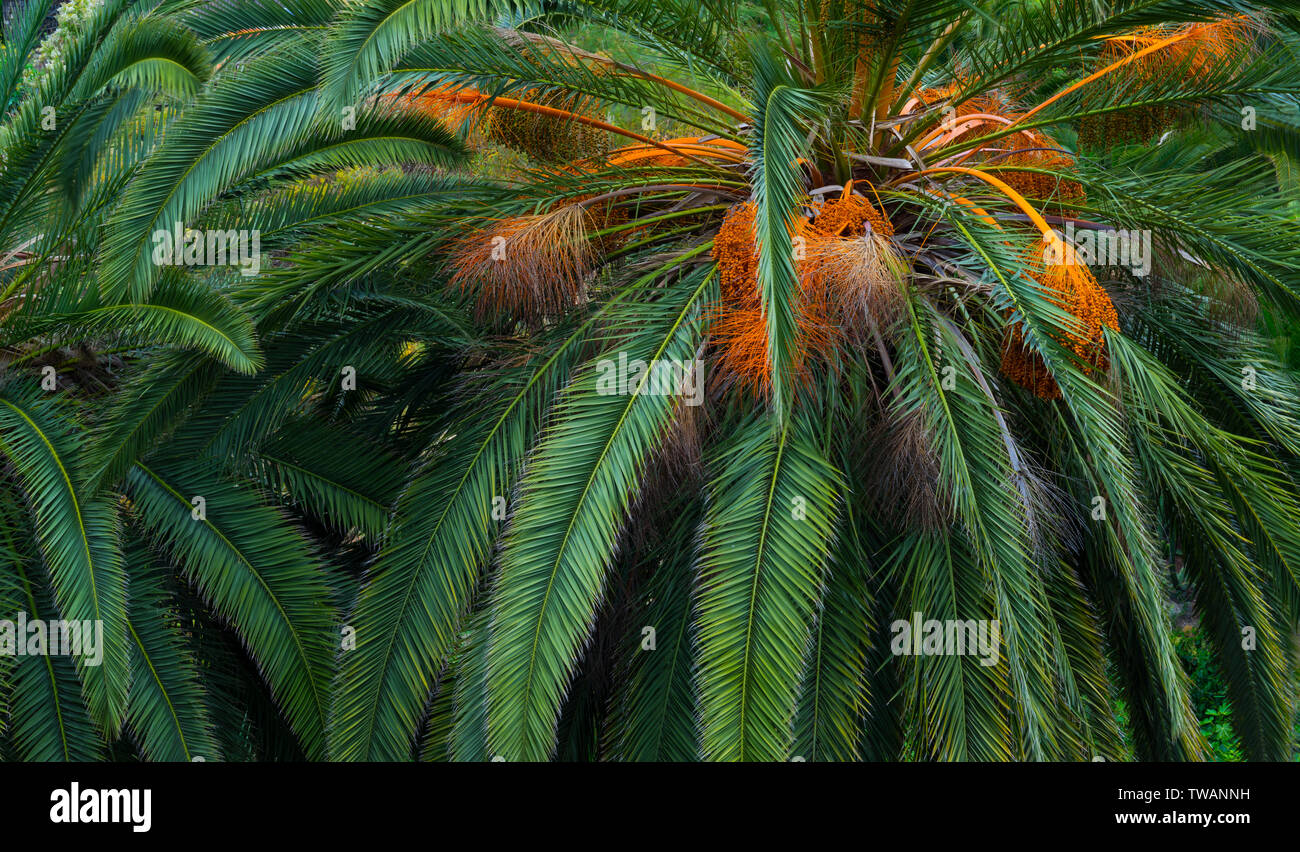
(69, 20)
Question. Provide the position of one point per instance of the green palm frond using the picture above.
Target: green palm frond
(175, 316)
(1230, 586)
(655, 705)
(781, 111)
(447, 522)
(425, 481)
(78, 538)
(986, 477)
(237, 31)
(48, 716)
(154, 401)
(149, 53)
(22, 33)
(246, 560)
(834, 696)
(223, 137)
(341, 478)
(771, 518)
(569, 507)
(468, 742)
(368, 39)
(520, 65)
(167, 710)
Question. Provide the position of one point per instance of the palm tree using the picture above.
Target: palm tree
(915, 402)
(219, 615)
(78, 106)
(429, 524)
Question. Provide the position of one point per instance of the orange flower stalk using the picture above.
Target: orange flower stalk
(548, 138)
(1027, 148)
(737, 322)
(845, 260)
(1187, 48)
(724, 150)
(440, 103)
(849, 215)
(1038, 150)
(1069, 284)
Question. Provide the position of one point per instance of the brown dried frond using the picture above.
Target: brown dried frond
(902, 472)
(526, 267)
(680, 455)
(605, 215)
(860, 277)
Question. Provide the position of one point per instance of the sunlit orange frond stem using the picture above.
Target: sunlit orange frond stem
(812, 167)
(633, 153)
(467, 96)
(1074, 87)
(1117, 64)
(685, 90)
(1015, 197)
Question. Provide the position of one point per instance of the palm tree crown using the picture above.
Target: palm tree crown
(619, 375)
